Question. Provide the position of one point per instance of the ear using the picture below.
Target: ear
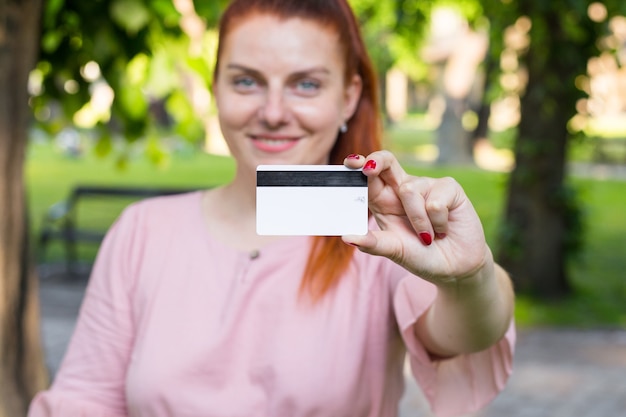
(352, 96)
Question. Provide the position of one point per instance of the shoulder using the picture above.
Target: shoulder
(167, 204)
(148, 228)
(157, 216)
(163, 210)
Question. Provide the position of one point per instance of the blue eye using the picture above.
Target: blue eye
(244, 82)
(308, 86)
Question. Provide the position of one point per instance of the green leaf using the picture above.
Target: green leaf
(186, 124)
(137, 69)
(155, 153)
(200, 66)
(51, 12)
(104, 145)
(105, 45)
(210, 10)
(178, 106)
(133, 102)
(134, 129)
(51, 40)
(167, 11)
(162, 76)
(122, 162)
(132, 15)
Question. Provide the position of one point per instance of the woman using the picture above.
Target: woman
(190, 313)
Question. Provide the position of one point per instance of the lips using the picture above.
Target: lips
(274, 143)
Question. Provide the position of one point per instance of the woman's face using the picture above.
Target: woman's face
(281, 92)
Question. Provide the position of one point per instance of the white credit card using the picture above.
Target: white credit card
(311, 200)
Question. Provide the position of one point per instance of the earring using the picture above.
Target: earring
(343, 128)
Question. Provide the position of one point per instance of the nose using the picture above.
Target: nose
(274, 111)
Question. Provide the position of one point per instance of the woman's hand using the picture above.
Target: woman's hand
(427, 225)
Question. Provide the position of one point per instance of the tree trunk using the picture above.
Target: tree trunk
(453, 140)
(459, 81)
(22, 368)
(481, 131)
(535, 232)
(533, 251)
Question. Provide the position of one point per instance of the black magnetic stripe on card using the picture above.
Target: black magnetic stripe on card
(310, 179)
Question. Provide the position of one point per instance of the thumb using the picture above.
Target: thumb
(376, 243)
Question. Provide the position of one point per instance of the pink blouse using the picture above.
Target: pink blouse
(174, 323)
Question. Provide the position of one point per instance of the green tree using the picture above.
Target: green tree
(542, 221)
(396, 33)
(146, 53)
(393, 31)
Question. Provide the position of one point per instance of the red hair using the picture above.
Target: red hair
(329, 257)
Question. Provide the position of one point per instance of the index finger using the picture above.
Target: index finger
(383, 165)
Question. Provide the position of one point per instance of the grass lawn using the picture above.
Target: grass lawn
(598, 276)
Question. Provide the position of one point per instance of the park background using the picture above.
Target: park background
(140, 114)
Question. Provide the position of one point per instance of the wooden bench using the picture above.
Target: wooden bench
(62, 222)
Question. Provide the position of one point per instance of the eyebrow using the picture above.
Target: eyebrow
(242, 68)
(296, 74)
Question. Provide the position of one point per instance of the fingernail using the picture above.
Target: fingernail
(371, 164)
(427, 239)
(353, 244)
(440, 235)
(353, 156)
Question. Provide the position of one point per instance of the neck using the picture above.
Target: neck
(230, 214)
(239, 197)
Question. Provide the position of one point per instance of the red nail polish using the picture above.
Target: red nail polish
(371, 164)
(353, 156)
(440, 235)
(427, 239)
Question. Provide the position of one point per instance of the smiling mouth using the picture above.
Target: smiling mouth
(274, 142)
(269, 144)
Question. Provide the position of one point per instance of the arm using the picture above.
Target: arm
(91, 380)
(468, 315)
(430, 228)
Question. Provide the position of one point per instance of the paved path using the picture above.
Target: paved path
(558, 373)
